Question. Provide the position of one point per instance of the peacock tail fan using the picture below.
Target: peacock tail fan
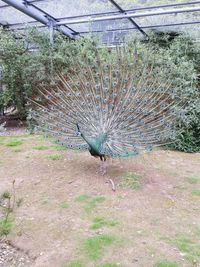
(119, 105)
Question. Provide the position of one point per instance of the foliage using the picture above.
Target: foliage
(29, 60)
(8, 203)
(179, 56)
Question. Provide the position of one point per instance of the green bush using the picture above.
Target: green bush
(182, 57)
(24, 71)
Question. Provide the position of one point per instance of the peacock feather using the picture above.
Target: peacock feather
(117, 107)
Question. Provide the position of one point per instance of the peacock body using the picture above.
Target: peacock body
(117, 107)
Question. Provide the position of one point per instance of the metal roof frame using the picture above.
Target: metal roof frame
(39, 15)
(130, 19)
(62, 24)
(128, 15)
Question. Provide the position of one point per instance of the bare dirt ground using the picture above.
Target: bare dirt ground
(71, 217)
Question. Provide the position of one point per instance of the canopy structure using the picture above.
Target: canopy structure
(110, 20)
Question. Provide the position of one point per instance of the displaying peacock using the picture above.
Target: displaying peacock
(114, 106)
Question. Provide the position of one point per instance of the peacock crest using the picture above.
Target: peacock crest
(118, 107)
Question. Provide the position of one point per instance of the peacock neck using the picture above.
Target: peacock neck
(95, 144)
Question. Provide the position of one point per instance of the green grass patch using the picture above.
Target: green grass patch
(14, 142)
(72, 264)
(191, 179)
(41, 147)
(94, 246)
(196, 192)
(165, 263)
(196, 231)
(180, 187)
(100, 222)
(59, 147)
(17, 150)
(63, 205)
(89, 202)
(54, 157)
(190, 247)
(5, 227)
(108, 265)
(83, 198)
(2, 140)
(131, 180)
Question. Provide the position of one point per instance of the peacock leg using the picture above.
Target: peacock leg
(102, 168)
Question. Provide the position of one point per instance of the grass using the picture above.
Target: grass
(63, 205)
(5, 227)
(189, 247)
(191, 179)
(196, 192)
(94, 246)
(41, 147)
(59, 147)
(14, 142)
(180, 187)
(108, 265)
(54, 157)
(100, 222)
(196, 231)
(165, 263)
(17, 150)
(73, 264)
(131, 180)
(89, 202)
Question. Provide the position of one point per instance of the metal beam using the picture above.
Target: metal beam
(129, 10)
(128, 15)
(30, 1)
(144, 27)
(38, 14)
(130, 19)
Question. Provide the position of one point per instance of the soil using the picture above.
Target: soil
(48, 233)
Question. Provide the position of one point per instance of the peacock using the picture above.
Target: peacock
(118, 105)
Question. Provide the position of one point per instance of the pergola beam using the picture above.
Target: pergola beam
(130, 19)
(128, 15)
(145, 27)
(38, 14)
